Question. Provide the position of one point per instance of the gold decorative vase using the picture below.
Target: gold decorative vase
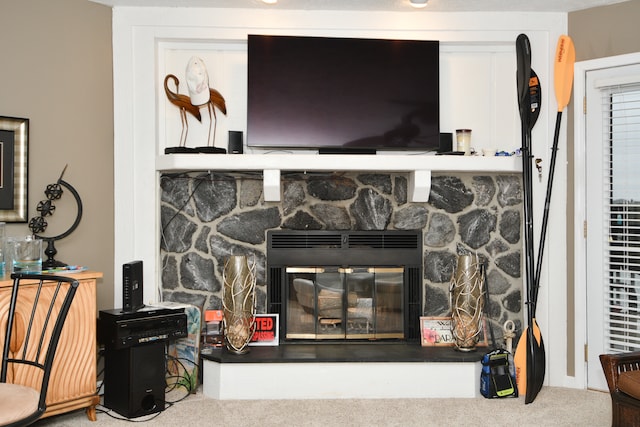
(238, 302)
(467, 302)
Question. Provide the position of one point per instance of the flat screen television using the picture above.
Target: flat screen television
(342, 94)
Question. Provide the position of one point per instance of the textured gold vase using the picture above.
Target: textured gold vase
(467, 302)
(238, 302)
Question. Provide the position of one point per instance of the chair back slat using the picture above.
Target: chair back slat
(50, 312)
(27, 336)
(43, 303)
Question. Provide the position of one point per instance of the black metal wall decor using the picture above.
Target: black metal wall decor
(46, 208)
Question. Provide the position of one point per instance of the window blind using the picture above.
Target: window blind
(621, 157)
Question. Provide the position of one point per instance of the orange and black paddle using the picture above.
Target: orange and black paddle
(563, 83)
(530, 351)
(523, 56)
(530, 356)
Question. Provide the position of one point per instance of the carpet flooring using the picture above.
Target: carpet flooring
(553, 407)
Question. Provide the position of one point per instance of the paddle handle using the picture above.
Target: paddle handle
(545, 215)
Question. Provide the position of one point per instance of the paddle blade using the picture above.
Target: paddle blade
(520, 362)
(523, 57)
(536, 363)
(563, 71)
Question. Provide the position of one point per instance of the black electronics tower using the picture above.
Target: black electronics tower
(132, 286)
(134, 379)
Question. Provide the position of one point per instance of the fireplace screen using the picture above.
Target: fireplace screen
(344, 303)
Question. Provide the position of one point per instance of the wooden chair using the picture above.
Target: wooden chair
(37, 310)
(622, 372)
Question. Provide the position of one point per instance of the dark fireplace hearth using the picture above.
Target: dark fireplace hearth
(340, 286)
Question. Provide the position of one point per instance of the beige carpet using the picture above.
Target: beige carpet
(553, 407)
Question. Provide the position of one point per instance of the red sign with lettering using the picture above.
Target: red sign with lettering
(267, 327)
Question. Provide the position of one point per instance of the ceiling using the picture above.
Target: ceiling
(381, 5)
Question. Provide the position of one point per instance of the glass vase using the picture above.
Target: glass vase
(467, 302)
(238, 301)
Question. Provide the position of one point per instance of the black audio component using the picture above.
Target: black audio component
(135, 379)
(118, 329)
(235, 142)
(446, 143)
(132, 286)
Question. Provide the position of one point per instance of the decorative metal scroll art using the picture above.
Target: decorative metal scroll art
(467, 302)
(238, 302)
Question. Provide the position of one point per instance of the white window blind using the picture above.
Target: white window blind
(621, 157)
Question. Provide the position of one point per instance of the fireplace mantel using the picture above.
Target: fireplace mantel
(418, 166)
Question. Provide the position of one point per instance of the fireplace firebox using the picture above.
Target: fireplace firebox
(345, 285)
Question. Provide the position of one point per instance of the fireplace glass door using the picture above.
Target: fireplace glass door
(344, 303)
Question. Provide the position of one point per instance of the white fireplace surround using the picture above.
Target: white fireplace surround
(478, 90)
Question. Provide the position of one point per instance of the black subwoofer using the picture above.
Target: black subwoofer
(134, 380)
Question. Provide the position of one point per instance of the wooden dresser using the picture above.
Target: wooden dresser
(73, 379)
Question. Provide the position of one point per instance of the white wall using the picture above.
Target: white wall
(477, 88)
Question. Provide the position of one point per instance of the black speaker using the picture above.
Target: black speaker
(134, 380)
(235, 142)
(446, 143)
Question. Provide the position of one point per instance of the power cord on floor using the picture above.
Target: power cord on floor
(185, 379)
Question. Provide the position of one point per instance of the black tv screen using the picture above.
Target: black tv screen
(334, 94)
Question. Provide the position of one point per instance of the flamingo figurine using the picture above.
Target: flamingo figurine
(201, 94)
(184, 103)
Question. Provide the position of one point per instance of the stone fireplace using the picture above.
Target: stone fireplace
(208, 216)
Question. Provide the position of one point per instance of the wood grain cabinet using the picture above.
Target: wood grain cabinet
(73, 380)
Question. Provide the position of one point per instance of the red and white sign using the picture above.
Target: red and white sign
(267, 326)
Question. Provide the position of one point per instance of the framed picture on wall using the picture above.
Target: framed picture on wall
(14, 162)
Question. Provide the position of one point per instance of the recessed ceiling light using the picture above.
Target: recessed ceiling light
(270, 1)
(418, 4)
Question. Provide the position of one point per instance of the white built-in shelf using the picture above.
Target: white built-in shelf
(418, 166)
(337, 162)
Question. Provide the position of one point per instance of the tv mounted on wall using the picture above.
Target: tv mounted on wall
(342, 94)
